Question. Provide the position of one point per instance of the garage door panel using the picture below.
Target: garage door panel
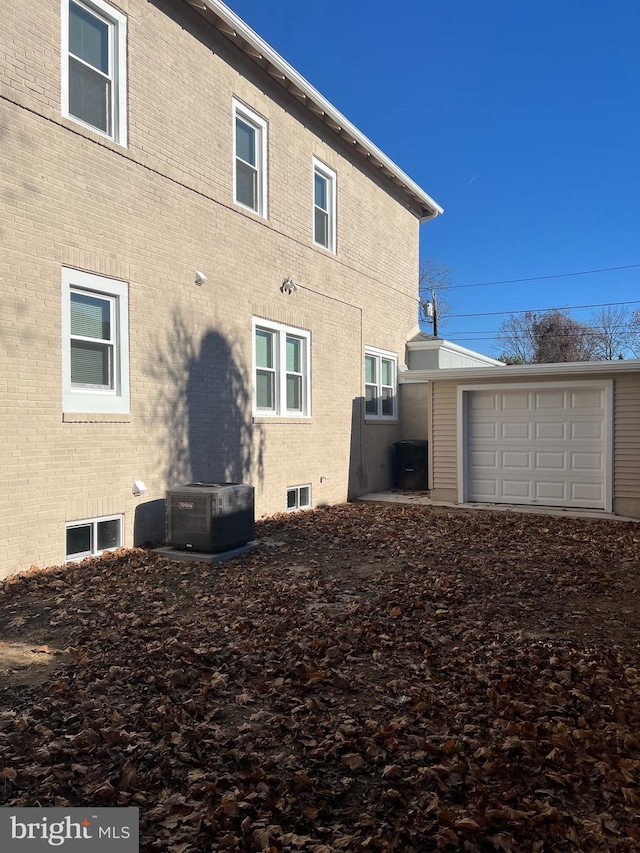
(515, 430)
(538, 446)
(586, 462)
(587, 429)
(516, 489)
(515, 401)
(588, 398)
(486, 402)
(549, 492)
(550, 400)
(587, 492)
(555, 430)
(484, 430)
(556, 461)
(485, 489)
(483, 459)
(516, 459)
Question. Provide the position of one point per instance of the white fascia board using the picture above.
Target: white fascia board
(261, 51)
(524, 371)
(449, 346)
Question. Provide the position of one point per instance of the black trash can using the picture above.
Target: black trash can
(411, 465)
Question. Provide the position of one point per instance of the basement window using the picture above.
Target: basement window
(92, 537)
(298, 497)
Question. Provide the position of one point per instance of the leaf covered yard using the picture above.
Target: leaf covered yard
(370, 678)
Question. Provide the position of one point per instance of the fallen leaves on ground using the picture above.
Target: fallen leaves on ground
(369, 679)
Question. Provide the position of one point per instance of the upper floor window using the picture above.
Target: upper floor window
(380, 378)
(250, 159)
(281, 358)
(94, 66)
(95, 343)
(324, 206)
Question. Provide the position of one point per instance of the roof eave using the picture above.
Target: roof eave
(450, 346)
(522, 371)
(260, 52)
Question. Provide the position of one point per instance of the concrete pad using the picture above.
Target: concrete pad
(180, 555)
(398, 496)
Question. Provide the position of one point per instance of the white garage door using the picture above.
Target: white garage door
(541, 446)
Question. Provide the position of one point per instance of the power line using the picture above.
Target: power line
(542, 277)
(586, 329)
(543, 310)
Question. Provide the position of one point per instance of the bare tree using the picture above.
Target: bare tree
(634, 333)
(559, 337)
(541, 338)
(435, 277)
(612, 332)
(516, 337)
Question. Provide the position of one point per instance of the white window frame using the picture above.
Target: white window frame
(117, 23)
(259, 125)
(93, 523)
(380, 356)
(280, 333)
(330, 177)
(296, 491)
(114, 400)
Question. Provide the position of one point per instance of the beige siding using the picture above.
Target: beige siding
(627, 437)
(151, 214)
(444, 452)
(415, 411)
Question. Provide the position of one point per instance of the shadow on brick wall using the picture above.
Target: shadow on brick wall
(201, 414)
(357, 471)
(149, 523)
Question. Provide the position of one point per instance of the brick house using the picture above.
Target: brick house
(209, 274)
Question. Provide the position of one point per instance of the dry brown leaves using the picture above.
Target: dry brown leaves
(370, 679)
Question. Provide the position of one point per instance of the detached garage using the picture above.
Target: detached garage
(554, 435)
(537, 444)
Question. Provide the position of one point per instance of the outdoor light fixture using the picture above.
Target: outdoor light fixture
(289, 286)
(201, 278)
(139, 488)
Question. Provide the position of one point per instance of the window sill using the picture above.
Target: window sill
(250, 211)
(388, 421)
(260, 419)
(97, 418)
(325, 249)
(92, 133)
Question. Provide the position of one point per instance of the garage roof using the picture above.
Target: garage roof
(523, 371)
(235, 29)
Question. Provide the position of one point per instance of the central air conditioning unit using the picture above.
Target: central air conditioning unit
(210, 517)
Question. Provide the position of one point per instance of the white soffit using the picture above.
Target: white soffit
(456, 349)
(235, 29)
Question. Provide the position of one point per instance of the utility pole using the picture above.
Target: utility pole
(435, 314)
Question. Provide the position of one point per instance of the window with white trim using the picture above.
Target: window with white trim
(250, 159)
(324, 206)
(94, 67)
(92, 536)
(281, 370)
(95, 343)
(380, 382)
(298, 497)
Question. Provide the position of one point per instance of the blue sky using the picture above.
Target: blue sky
(520, 119)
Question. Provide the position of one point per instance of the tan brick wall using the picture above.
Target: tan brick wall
(151, 214)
